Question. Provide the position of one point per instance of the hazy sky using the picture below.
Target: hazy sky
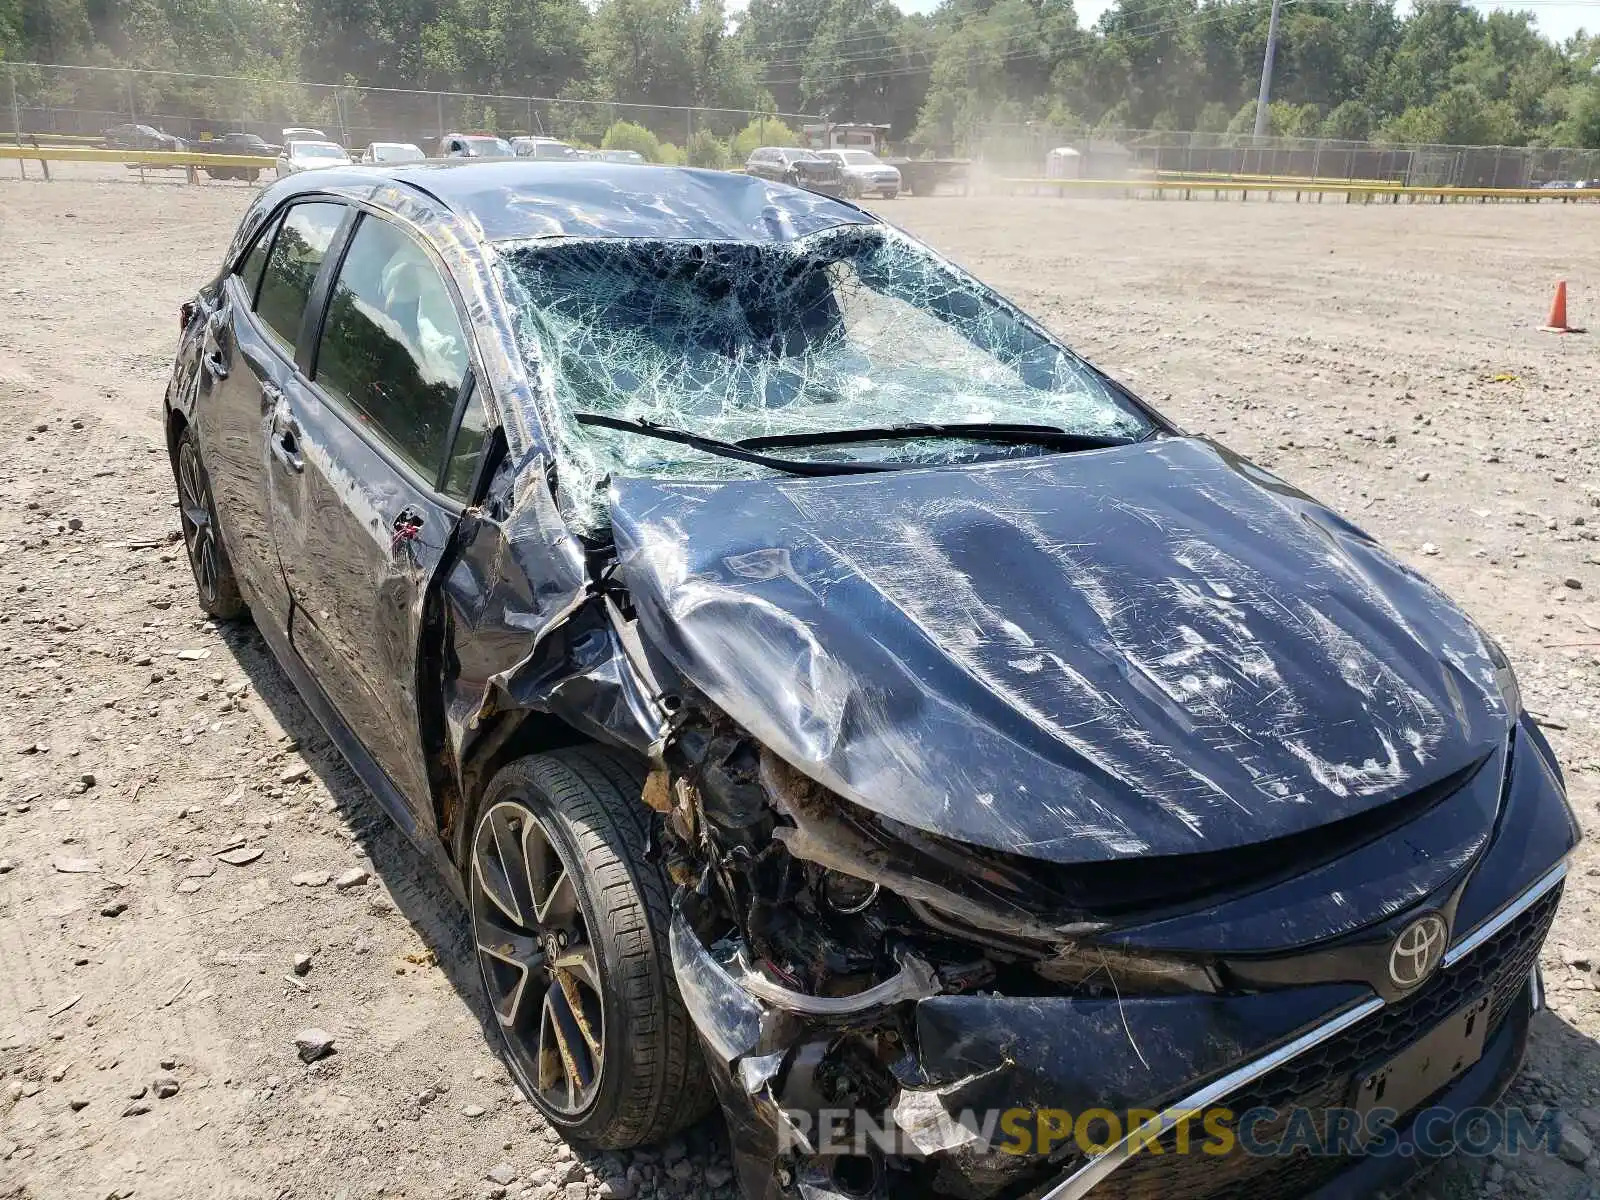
(1556, 21)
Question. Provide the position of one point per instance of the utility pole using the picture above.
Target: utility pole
(1266, 71)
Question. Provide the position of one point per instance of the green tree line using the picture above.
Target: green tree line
(1360, 69)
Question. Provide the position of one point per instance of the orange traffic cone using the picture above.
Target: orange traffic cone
(1556, 322)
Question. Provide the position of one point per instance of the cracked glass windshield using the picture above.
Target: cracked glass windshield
(853, 328)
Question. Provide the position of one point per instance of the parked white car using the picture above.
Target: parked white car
(543, 148)
(308, 156)
(865, 174)
(302, 133)
(393, 152)
(474, 145)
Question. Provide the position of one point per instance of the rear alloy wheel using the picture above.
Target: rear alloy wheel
(215, 585)
(570, 925)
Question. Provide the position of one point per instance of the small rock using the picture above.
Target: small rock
(313, 1044)
(618, 1187)
(7, 866)
(718, 1174)
(115, 909)
(294, 773)
(502, 1173)
(139, 1092)
(164, 1086)
(577, 1191)
(1573, 582)
(168, 1063)
(302, 964)
(1573, 1144)
(74, 523)
(473, 1111)
(353, 878)
(242, 856)
(1429, 548)
(1423, 476)
(682, 1169)
(77, 1104)
(76, 866)
(137, 1109)
(310, 879)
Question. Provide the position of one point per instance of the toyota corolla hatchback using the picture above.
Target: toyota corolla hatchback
(834, 698)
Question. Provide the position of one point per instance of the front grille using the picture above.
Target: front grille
(1321, 1078)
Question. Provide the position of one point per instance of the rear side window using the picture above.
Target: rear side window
(249, 271)
(297, 253)
(393, 351)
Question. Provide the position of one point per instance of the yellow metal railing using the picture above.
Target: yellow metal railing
(1364, 192)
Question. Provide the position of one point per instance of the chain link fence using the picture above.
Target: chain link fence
(70, 104)
(1038, 150)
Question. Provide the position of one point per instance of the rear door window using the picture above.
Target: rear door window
(249, 271)
(393, 351)
(296, 257)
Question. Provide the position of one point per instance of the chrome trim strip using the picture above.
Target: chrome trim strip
(1079, 1183)
(1536, 988)
(1505, 916)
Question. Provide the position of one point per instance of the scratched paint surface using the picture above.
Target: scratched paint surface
(1147, 649)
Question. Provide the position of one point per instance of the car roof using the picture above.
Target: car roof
(513, 199)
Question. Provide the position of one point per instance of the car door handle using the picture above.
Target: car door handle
(285, 445)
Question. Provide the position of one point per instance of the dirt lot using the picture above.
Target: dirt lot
(1385, 359)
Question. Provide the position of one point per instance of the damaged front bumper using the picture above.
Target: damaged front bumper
(905, 1089)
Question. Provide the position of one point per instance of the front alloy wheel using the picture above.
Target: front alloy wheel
(537, 958)
(215, 585)
(569, 920)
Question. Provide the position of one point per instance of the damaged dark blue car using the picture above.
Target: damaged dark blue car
(834, 698)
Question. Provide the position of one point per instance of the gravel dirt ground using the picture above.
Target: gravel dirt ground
(175, 830)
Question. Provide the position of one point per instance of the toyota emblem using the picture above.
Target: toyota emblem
(1417, 951)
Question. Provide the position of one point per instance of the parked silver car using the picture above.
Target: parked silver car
(865, 174)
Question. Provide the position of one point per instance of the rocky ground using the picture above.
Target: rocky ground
(191, 880)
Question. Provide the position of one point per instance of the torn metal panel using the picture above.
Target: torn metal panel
(1143, 650)
(531, 630)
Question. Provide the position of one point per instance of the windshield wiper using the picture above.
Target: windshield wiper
(739, 450)
(978, 431)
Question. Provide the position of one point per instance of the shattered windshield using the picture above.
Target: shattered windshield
(858, 327)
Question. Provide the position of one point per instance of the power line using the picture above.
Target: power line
(1154, 29)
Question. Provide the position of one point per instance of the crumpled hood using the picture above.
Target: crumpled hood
(1153, 649)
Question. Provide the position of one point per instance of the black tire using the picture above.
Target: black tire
(852, 190)
(651, 1080)
(216, 587)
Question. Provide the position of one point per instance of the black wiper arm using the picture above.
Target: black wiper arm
(739, 450)
(979, 431)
